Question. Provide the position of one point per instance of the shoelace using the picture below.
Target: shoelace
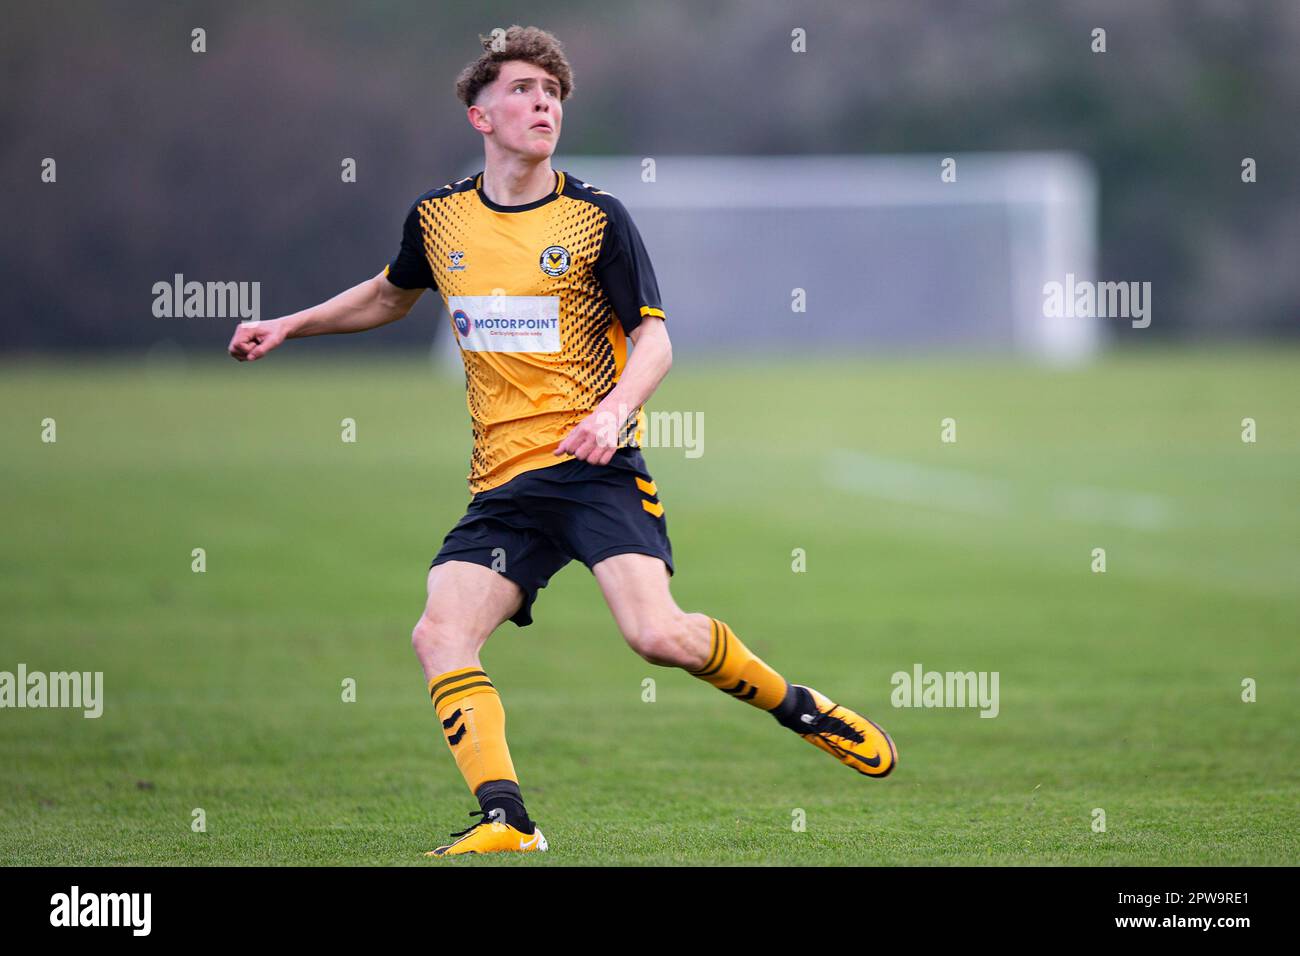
(477, 823)
(827, 723)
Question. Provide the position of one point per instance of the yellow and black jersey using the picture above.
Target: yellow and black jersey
(541, 298)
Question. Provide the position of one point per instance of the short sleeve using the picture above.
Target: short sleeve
(410, 267)
(624, 270)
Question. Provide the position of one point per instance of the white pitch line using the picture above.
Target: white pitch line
(917, 484)
(1130, 509)
(950, 490)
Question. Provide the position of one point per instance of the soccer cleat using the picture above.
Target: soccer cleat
(849, 737)
(491, 836)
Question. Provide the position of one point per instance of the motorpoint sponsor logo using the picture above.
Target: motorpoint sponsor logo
(517, 325)
(464, 324)
(504, 323)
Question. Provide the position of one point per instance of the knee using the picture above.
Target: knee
(432, 634)
(666, 641)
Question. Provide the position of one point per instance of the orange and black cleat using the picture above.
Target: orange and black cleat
(492, 836)
(849, 737)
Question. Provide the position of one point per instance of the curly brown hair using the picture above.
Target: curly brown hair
(530, 44)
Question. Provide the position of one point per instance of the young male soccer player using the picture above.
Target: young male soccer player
(545, 278)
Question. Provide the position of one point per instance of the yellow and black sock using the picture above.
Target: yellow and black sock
(474, 725)
(734, 669)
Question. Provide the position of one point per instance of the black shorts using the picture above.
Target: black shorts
(539, 521)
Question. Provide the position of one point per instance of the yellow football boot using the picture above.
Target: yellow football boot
(491, 836)
(849, 737)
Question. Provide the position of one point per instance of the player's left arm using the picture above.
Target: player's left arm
(595, 438)
(651, 358)
(624, 271)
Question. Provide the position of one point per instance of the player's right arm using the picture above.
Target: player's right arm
(368, 305)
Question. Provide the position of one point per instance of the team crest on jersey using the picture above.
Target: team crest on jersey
(455, 258)
(555, 260)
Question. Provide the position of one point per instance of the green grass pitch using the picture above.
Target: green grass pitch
(1120, 691)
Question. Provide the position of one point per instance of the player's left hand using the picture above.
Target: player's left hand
(593, 440)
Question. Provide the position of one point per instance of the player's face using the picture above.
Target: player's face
(526, 112)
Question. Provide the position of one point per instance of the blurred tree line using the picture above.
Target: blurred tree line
(225, 165)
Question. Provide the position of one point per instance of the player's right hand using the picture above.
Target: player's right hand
(252, 340)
